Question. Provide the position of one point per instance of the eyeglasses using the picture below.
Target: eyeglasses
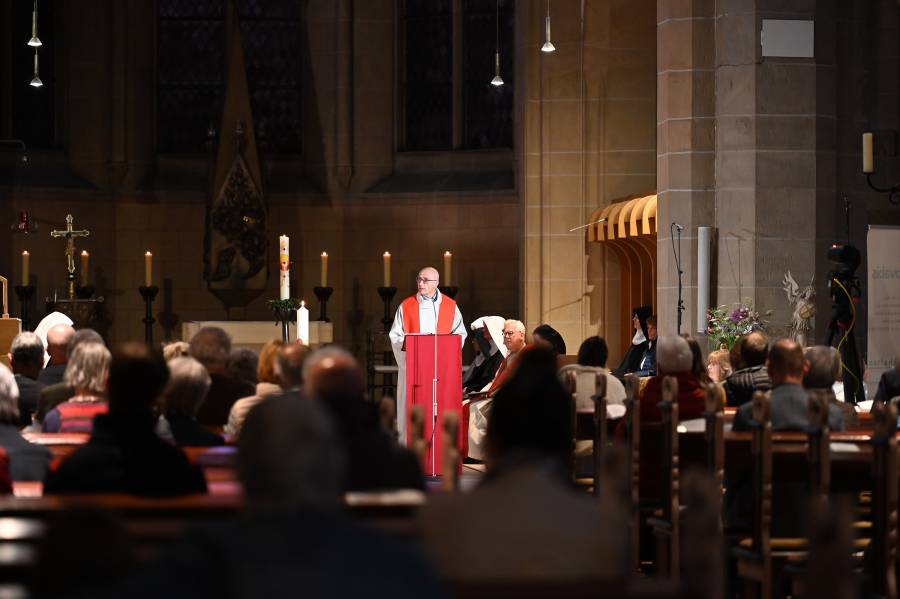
(509, 333)
(424, 280)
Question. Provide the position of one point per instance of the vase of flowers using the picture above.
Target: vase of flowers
(725, 325)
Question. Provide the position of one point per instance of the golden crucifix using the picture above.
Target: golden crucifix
(70, 235)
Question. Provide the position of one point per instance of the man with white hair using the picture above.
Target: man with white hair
(427, 312)
(673, 358)
(514, 340)
(27, 461)
(26, 356)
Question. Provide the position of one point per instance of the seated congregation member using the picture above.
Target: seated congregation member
(176, 349)
(183, 395)
(718, 365)
(55, 394)
(27, 461)
(674, 358)
(243, 364)
(124, 455)
(647, 364)
(26, 357)
(524, 521)
(514, 340)
(269, 384)
(698, 364)
(546, 336)
(290, 364)
(86, 373)
(58, 349)
(334, 378)
(487, 341)
(821, 374)
(750, 372)
(790, 406)
(594, 352)
(293, 539)
(888, 385)
(639, 343)
(211, 346)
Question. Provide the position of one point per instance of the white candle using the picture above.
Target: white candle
(868, 154)
(303, 324)
(284, 267)
(324, 278)
(26, 260)
(387, 269)
(85, 257)
(148, 269)
(448, 267)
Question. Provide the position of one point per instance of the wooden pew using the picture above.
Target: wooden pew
(633, 468)
(590, 425)
(884, 501)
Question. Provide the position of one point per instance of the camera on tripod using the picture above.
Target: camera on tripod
(845, 293)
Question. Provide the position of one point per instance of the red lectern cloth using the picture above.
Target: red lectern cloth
(420, 374)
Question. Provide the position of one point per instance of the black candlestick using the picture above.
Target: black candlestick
(449, 291)
(323, 293)
(24, 293)
(149, 294)
(85, 292)
(387, 295)
(286, 316)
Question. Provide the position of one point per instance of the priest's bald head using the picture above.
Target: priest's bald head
(427, 281)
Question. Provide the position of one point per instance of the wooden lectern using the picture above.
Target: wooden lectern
(9, 327)
(434, 382)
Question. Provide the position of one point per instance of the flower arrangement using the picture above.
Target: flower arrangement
(726, 325)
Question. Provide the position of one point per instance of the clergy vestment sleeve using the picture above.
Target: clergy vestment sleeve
(396, 334)
(459, 327)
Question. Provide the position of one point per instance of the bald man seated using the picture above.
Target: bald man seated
(374, 460)
(58, 339)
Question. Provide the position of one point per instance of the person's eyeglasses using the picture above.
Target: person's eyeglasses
(509, 333)
(424, 280)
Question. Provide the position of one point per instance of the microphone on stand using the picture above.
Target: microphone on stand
(677, 226)
(679, 307)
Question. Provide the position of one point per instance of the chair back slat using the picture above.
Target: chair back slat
(762, 477)
(417, 434)
(884, 500)
(714, 434)
(633, 442)
(818, 438)
(450, 464)
(668, 408)
(599, 399)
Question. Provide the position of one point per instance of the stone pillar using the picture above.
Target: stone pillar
(587, 139)
(685, 143)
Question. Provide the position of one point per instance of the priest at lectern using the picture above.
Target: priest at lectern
(427, 312)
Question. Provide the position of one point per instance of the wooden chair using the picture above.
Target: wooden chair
(819, 445)
(884, 501)
(451, 460)
(666, 523)
(714, 435)
(633, 468)
(579, 381)
(380, 363)
(754, 560)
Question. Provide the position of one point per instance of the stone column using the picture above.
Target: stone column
(685, 109)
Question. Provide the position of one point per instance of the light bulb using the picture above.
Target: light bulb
(497, 80)
(548, 45)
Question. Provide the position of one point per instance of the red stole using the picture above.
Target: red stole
(446, 313)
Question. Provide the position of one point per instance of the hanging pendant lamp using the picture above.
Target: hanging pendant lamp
(497, 81)
(35, 41)
(36, 82)
(548, 45)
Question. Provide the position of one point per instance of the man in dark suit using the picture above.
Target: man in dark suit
(26, 356)
(790, 405)
(211, 346)
(889, 385)
(751, 374)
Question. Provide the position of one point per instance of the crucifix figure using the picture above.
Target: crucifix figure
(70, 235)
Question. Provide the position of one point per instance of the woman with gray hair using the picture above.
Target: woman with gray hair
(27, 461)
(187, 388)
(86, 373)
